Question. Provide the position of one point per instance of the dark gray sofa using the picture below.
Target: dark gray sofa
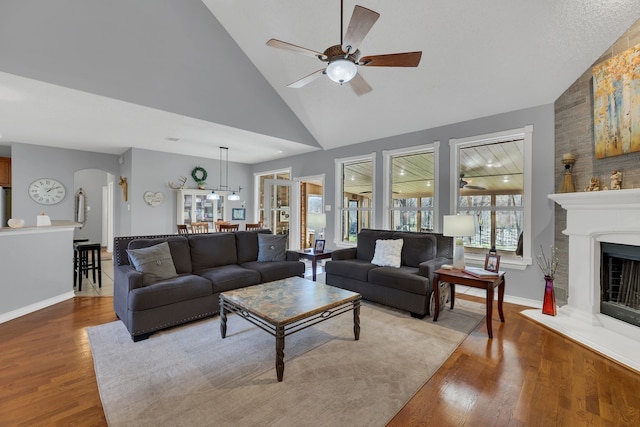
(206, 264)
(408, 287)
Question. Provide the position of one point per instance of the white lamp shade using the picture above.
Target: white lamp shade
(316, 220)
(341, 70)
(459, 225)
(213, 196)
(233, 196)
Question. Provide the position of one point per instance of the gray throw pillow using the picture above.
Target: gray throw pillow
(272, 247)
(154, 262)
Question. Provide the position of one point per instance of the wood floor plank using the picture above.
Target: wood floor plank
(525, 376)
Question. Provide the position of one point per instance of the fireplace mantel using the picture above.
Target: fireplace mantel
(593, 217)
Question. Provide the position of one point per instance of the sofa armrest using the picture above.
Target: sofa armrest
(346, 253)
(126, 278)
(293, 256)
(428, 268)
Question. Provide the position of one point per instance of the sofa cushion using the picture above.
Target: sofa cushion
(154, 262)
(166, 292)
(356, 269)
(367, 242)
(276, 270)
(388, 253)
(212, 250)
(247, 245)
(179, 246)
(272, 247)
(403, 279)
(228, 277)
(417, 248)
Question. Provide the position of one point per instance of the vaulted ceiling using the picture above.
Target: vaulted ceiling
(105, 76)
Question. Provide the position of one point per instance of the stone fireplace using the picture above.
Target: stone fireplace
(594, 218)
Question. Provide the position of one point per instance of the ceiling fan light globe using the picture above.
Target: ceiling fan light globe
(341, 70)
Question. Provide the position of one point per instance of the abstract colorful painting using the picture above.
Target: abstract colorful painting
(616, 104)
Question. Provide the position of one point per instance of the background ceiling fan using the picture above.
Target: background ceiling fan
(466, 184)
(343, 59)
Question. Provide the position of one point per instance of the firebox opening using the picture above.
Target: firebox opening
(620, 282)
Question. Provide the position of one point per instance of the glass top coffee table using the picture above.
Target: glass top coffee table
(287, 306)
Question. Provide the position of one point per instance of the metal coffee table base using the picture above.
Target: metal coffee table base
(280, 331)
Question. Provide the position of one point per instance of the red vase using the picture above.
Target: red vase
(549, 302)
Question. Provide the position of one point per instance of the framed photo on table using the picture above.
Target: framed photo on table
(319, 246)
(492, 262)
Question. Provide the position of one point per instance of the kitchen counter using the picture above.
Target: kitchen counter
(37, 267)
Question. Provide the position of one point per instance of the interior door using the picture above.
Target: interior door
(281, 209)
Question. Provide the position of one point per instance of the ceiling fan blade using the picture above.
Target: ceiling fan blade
(297, 49)
(406, 59)
(305, 80)
(361, 22)
(359, 85)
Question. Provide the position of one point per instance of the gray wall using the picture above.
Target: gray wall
(145, 171)
(138, 51)
(152, 170)
(527, 284)
(30, 162)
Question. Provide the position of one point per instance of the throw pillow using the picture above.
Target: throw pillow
(154, 262)
(272, 247)
(388, 253)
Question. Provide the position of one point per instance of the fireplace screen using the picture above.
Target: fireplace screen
(620, 279)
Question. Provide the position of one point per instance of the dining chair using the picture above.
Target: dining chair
(219, 223)
(199, 227)
(183, 229)
(250, 227)
(228, 227)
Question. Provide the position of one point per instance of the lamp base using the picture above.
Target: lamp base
(458, 254)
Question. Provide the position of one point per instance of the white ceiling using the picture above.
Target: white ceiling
(479, 59)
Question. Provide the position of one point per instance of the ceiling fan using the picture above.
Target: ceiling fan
(343, 59)
(465, 184)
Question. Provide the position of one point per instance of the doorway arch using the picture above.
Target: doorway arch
(97, 186)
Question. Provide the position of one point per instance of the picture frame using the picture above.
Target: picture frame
(319, 245)
(492, 262)
(238, 214)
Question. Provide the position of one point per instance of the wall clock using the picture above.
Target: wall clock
(47, 191)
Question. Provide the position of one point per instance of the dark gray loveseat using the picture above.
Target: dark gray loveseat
(408, 287)
(206, 264)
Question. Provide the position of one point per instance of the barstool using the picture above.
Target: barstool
(81, 262)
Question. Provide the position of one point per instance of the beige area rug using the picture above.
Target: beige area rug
(189, 376)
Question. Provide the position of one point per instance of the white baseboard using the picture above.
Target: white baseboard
(5, 317)
(461, 289)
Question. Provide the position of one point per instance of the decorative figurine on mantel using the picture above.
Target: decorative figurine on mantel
(567, 181)
(594, 184)
(616, 180)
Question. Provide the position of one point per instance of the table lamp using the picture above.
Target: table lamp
(459, 226)
(317, 221)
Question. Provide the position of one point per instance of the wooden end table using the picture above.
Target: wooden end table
(454, 277)
(314, 257)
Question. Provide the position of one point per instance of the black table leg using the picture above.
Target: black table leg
(223, 320)
(280, 352)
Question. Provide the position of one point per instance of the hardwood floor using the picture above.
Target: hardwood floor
(525, 376)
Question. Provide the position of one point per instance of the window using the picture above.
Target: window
(354, 197)
(493, 183)
(410, 188)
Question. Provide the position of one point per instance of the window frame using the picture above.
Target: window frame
(387, 185)
(526, 134)
(339, 195)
